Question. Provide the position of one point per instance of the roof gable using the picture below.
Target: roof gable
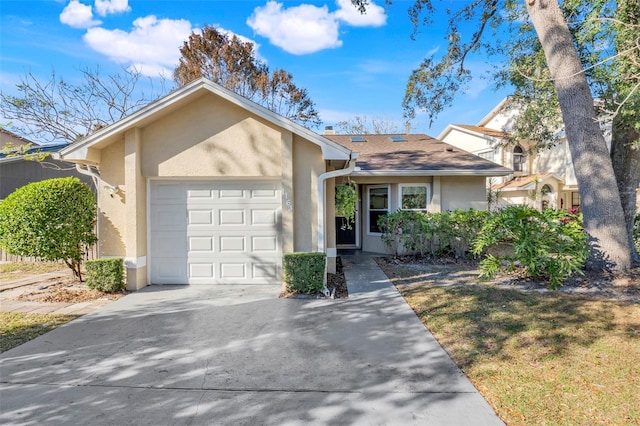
(184, 95)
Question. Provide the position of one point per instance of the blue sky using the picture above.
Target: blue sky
(350, 64)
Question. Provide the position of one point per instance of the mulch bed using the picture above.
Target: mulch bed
(63, 290)
(612, 285)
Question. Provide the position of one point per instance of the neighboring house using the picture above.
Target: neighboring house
(541, 179)
(17, 170)
(205, 186)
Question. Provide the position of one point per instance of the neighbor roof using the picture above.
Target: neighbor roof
(418, 155)
(183, 95)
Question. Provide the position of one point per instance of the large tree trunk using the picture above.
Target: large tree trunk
(599, 198)
(626, 165)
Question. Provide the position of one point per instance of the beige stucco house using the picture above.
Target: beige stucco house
(205, 186)
(540, 178)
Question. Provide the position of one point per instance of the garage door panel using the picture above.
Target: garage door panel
(168, 244)
(169, 270)
(216, 233)
(200, 217)
(168, 218)
(232, 217)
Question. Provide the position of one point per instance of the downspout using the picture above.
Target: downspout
(321, 204)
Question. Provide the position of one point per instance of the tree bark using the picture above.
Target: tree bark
(625, 158)
(600, 201)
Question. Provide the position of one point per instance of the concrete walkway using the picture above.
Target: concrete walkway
(239, 355)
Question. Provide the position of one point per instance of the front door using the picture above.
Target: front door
(347, 232)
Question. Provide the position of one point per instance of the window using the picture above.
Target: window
(575, 200)
(378, 202)
(518, 159)
(414, 196)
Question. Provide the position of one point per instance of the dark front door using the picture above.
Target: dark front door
(345, 232)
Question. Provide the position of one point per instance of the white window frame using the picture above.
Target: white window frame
(413, 185)
(368, 204)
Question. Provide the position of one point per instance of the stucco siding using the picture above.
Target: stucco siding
(307, 166)
(211, 137)
(112, 218)
(463, 192)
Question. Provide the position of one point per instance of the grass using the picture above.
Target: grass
(18, 270)
(538, 359)
(17, 328)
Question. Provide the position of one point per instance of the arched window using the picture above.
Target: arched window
(518, 159)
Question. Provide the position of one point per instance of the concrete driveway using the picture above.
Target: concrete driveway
(240, 355)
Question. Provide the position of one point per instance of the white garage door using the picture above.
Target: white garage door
(215, 233)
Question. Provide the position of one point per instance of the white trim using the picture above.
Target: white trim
(357, 223)
(368, 210)
(135, 262)
(415, 185)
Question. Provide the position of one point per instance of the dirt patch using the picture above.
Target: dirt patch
(450, 271)
(64, 289)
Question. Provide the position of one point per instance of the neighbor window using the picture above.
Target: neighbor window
(518, 159)
(378, 202)
(414, 196)
(575, 200)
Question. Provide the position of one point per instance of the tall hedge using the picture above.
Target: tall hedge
(52, 219)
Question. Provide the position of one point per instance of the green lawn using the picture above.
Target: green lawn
(17, 328)
(539, 359)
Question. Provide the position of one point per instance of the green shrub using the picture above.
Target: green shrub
(551, 245)
(432, 233)
(304, 272)
(106, 275)
(52, 220)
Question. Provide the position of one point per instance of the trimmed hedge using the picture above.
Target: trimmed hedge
(304, 272)
(106, 275)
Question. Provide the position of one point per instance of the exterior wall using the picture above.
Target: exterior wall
(211, 137)
(468, 142)
(208, 139)
(307, 166)
(112, 219)
(372, 242)
(463, 192)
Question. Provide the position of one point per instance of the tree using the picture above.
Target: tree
(433, 85)
(52, 219)
(59, 111)
(230, 62)
(363, 125)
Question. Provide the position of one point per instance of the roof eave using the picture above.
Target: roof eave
(449, 172)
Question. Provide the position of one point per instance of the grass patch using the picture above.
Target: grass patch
(17, 328)
(539, 359)
(18, 270)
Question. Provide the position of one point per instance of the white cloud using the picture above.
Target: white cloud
(152, 46)
(347, 12)
(104, 7)
(298, 30)
(78, 15)
(307, 28)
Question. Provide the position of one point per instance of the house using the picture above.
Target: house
(541, 178)
(205, 186)
(17, 170)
